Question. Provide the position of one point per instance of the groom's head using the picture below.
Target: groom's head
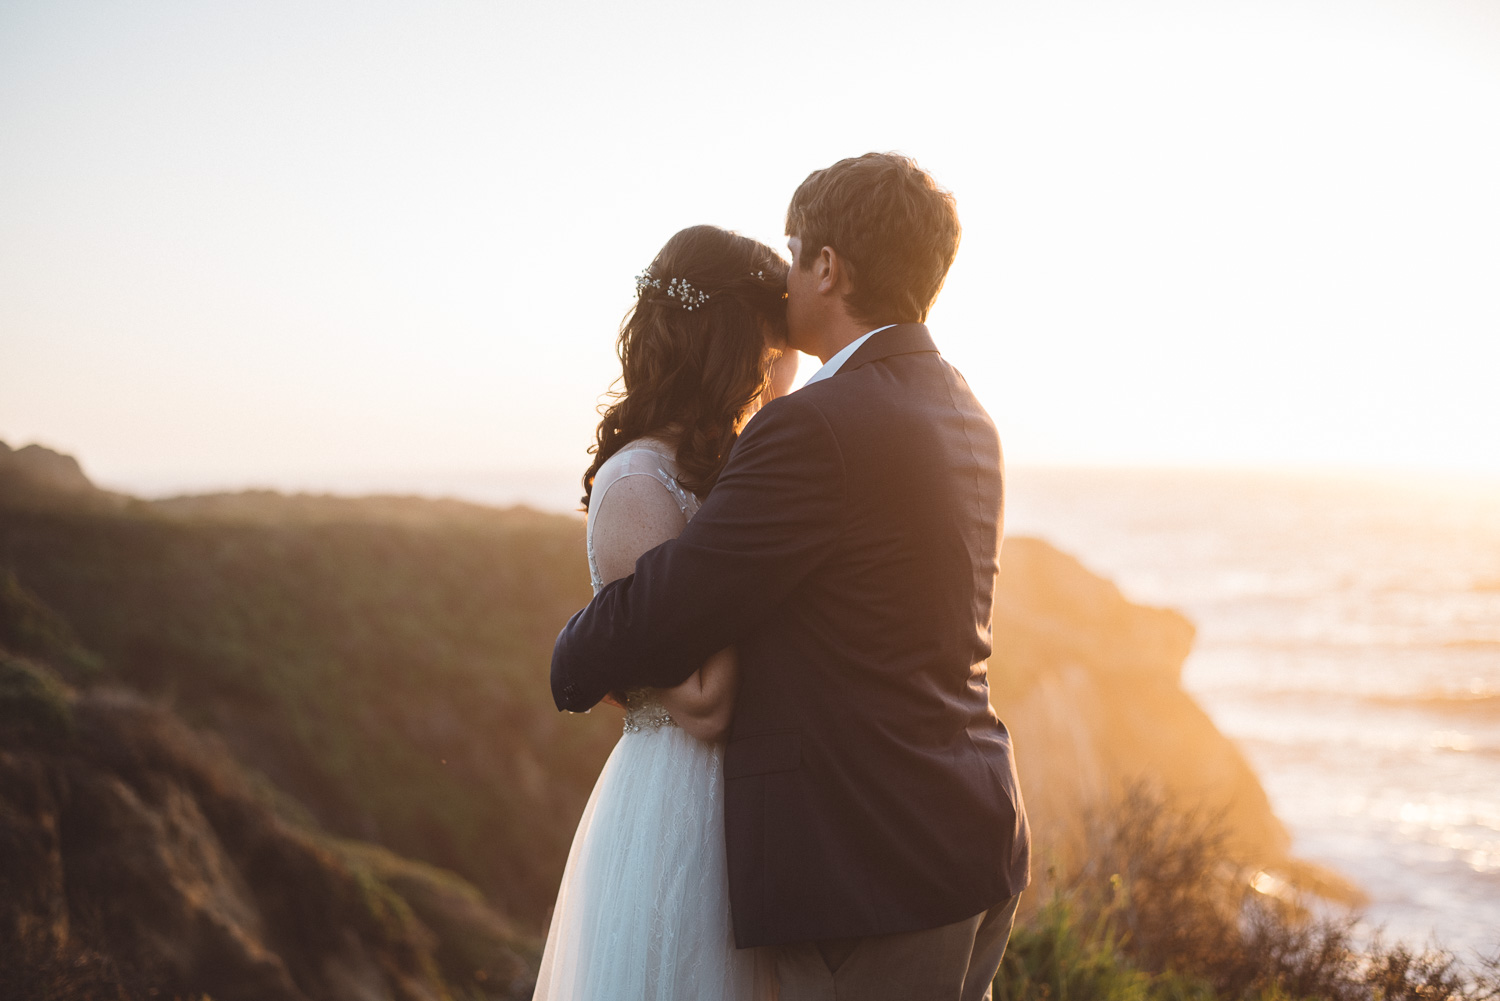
(873, 238)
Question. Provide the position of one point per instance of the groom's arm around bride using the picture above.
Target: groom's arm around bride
(873, 820)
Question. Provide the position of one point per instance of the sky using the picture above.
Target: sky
(388, 246)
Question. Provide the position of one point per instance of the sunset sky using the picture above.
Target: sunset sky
(386, 246)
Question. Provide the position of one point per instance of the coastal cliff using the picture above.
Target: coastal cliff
(137, 858)
(378, 668)
(1090, 686)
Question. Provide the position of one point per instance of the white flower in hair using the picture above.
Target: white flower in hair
(681, 289)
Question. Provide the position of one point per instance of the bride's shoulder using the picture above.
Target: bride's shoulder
(650, 457)
(651, 460)
(655, 444)
(638, 455)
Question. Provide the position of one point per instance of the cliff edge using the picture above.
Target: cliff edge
(1090, 686)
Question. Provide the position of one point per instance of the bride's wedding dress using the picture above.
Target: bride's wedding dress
(643, 910)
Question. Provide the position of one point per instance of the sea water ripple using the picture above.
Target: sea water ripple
(1349, 641)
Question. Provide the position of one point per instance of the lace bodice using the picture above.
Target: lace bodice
(642, 457)
(653, 458)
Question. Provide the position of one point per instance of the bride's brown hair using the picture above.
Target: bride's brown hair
(692, 375)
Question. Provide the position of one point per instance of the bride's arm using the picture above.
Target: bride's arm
(704, 704)
(635, 513)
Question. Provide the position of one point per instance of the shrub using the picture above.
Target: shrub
(1162, 911)
(33, 699)
(1052, 958)
(27, 626)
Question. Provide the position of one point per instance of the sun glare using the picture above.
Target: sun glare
(351, 252)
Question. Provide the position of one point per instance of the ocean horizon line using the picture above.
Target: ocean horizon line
(558, 487)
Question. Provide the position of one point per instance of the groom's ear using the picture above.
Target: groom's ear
(830, 272)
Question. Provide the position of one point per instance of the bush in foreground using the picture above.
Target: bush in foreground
(1161, 911)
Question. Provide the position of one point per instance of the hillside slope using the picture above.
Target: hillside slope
(383, 661)
(138, 859)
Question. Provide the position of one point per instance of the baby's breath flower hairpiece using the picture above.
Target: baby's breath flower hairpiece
(761, 276)
(680, 289)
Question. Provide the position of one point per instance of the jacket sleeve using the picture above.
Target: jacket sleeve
(773, 516)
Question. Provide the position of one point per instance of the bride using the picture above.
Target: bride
(643, 910)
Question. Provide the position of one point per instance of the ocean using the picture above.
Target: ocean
(1348, 641)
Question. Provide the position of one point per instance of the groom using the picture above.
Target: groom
(873, 821)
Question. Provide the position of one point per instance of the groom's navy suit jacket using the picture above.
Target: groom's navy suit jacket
(849, 553)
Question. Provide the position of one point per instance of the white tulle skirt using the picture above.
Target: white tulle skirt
(643, 910)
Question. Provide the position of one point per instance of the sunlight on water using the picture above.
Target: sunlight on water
(1349, 641)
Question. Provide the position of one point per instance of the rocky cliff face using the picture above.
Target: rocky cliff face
(137, 858)
(39, 471)
(1090, 686)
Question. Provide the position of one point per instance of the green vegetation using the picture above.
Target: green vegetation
(138, 859)
(32, 698)
(1051, 958)
(1161, 912)
(383, 662)
(30, 628)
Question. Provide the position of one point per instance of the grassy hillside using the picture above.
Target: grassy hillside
(381, 661)
(138, 859)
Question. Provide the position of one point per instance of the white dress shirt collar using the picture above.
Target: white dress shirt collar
(832, 365)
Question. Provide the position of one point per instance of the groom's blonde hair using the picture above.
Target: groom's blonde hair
(894, 228)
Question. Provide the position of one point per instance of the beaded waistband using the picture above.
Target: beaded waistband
(647, 716)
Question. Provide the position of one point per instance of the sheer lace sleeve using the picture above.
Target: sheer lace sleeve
(636, 505)
(637, 512)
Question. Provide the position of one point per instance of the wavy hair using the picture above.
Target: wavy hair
(692, 376)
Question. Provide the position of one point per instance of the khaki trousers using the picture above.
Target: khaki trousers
(955, 962)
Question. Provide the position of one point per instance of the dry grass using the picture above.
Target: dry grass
(1161, 910)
